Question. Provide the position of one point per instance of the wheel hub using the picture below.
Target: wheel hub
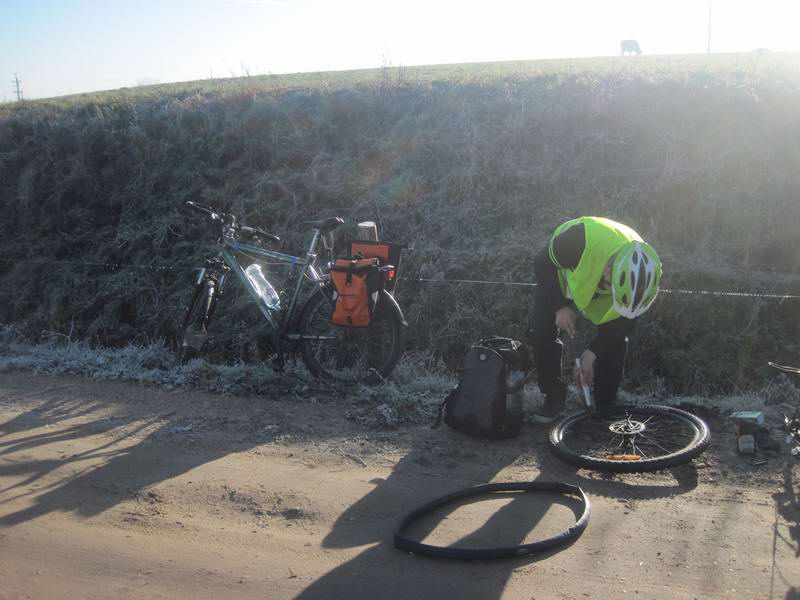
(627, 427)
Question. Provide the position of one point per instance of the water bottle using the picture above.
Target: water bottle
(263, 287)
(515, 386)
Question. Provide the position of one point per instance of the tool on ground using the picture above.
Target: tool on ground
(746, 444)
(752, 417)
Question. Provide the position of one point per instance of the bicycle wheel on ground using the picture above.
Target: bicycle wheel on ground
(194, 332)
(350, 354)
(630, 439)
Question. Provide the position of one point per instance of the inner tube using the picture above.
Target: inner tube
(568, 535)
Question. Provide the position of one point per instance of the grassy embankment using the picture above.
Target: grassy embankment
(472, 164)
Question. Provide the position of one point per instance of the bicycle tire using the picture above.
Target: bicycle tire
(565, 537)
(195, 323)
(350, 354)
(564, 439)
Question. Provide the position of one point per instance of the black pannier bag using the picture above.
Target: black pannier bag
(487, 402)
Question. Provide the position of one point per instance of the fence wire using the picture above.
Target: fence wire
(443, 280)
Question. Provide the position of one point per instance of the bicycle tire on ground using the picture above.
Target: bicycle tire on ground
(351, 353)
(587, 441)
(402, 542)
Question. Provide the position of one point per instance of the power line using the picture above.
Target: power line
(18, 85)
(675, 291)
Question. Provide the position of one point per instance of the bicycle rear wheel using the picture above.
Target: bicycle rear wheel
(350, 354)
(631, 439)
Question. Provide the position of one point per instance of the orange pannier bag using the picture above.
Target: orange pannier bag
(386, 252)
(357, 284)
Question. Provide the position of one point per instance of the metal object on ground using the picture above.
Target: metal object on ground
(752, 417)
(746, 444)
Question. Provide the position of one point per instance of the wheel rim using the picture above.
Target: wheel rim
(641, 435)
(348, 353)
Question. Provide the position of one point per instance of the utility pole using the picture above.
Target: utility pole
(708, 49)
(18, 87)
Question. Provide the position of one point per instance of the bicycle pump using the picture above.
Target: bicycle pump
(585, 391)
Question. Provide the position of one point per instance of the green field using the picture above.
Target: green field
(471, 164)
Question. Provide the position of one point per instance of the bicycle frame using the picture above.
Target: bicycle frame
(228, 250)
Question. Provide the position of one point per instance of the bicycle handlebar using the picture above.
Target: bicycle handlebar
(230, 220)
(207, 210)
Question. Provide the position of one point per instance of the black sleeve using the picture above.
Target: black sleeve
(568, 248)
(610, 335)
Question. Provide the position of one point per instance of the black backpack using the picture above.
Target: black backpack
(478, 405)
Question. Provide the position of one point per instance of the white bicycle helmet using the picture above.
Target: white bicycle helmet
(635, 277)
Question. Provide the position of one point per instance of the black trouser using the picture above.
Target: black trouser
(547, 355)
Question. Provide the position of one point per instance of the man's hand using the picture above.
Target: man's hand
(566, 319)
(585, 375)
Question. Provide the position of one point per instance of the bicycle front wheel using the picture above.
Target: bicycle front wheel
(194, 332)
(631, 439)
(350, 354)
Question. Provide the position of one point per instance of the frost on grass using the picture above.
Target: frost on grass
(150, 363)
(413, 394)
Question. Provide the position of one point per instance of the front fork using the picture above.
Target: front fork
(213, 274)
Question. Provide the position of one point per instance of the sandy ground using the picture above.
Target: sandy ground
(111, 490)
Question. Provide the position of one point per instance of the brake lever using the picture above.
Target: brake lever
(256, 232)
(208, 210)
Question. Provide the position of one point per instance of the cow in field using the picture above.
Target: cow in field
(630, 47)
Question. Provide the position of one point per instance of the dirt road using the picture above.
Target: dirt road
(112, 490)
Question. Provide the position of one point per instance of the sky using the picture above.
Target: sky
(58, 47)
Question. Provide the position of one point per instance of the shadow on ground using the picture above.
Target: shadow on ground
(131, 460)
(382, 571)
(787, 508)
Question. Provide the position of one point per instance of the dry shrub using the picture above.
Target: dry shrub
(474, 174)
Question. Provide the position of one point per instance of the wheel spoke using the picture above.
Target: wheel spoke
(349, 354)
(634, 451)
(659, 446)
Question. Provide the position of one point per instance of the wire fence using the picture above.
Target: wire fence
(443, 280)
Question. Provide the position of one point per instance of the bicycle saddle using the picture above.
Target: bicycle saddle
(326, 225)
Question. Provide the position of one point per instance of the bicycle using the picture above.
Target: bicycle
(791, 424)
(330, 352)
